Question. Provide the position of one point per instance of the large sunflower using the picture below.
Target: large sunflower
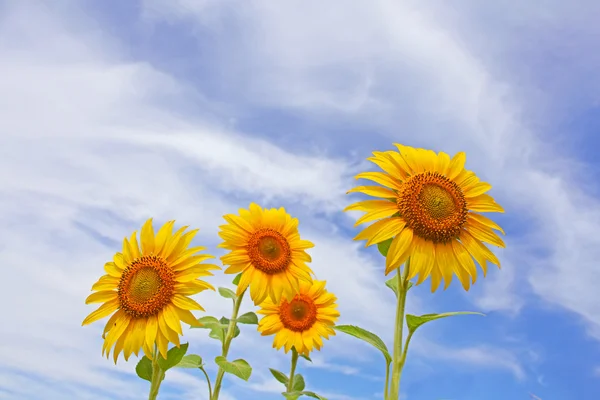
(266, 247)
(148, 289)
(429, 205)
(301, 322)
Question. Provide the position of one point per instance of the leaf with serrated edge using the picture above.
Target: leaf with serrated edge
(393, 284)
(414, 321)
(207, 322)
(248, 318)
(239, 368)
(227, 293)
(367, 336)
(307, 358)
(299, 383)
(174, 356)
(190, 361)
(144, 369)
(280, 376)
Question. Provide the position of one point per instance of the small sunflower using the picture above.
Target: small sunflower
(429, 204)
(148, 289)
(266, 247)
(301, 322)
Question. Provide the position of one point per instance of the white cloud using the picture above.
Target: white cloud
(91, 147)
(406, 71)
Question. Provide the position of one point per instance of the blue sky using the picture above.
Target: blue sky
(112, 112)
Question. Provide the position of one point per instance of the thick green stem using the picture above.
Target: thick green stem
(397, 363)
(157, 376)
(290, 386)
(226, 342)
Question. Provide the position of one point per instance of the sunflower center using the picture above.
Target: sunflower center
(269, 251)
(146, 286)
(298, 315)
(433, 206)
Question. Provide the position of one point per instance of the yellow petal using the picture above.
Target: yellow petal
(400, 243)
(187, 317)
(377, 214)
(164, 233)
(134, 247)
(182, 245)
(478, 250)
(171, 318)
(151, 331)
(392, 228)
(112, 269)
(185, 303)
(457, 165)
(477, 189)
(103, 311)
(101, 297)
(465, 259)
(374, 191)
(371, 205)
(422, 258)
(445, 260)
(442, 163)
(485, 221)
(483, 233)
(381, 178)
(483, 203)
(147, 238)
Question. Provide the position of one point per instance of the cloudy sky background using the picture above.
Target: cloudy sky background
(112, 112)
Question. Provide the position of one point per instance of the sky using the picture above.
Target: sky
(113, 112)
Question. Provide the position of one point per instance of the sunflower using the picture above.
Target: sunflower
(148, 289)
(429, 205)
(301, 322)
(266, 247)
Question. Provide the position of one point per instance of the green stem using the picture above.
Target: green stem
(387, 380)
(208, 381)
(397, 363)
(403, 360)
(226, 342)
(157, 376)
(290, 386)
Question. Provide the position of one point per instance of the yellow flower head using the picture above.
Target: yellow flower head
(428, 204)
(148, 289)
(301, 322)
(266, 246)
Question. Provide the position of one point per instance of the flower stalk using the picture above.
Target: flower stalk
(399, 355)
(290, 386)
(157, 376)
(227, 342)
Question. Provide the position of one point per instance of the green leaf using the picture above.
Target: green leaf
(227, 293)
(239, 368)
(414, 321)
(295, 395)
(393, 284)
(299, 383)
(144, 369)
(237, 278)
(207, 323)
(280, 376)
(217, 333)
(307, 358)
(384, 246)
(248, 318)
(174, 356)
(367, 336)
(190, 361)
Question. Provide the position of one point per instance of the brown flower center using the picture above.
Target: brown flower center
(146, 286)
(269, 251)
(299, 315)
(433, 206)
